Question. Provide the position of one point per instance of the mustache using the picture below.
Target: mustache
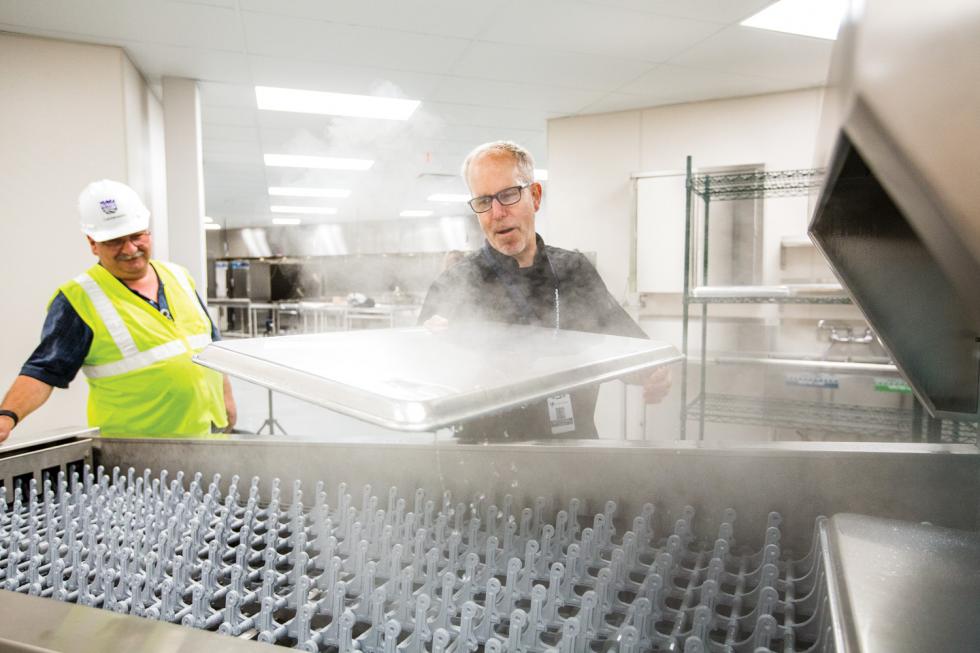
(130, 257)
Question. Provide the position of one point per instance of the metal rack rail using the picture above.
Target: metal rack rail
(764, 295)
(821, 419)
(748, 185)
(732, 186)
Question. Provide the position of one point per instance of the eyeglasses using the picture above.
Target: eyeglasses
(506, 197)
(137, 239)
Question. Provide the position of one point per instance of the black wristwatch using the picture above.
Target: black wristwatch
(11, 414)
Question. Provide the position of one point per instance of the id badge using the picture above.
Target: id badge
(560, 414)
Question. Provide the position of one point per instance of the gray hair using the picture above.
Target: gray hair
(522, 159)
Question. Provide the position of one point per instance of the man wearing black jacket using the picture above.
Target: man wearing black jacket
(517, 279)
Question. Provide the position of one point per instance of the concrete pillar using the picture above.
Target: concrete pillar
(185, 177)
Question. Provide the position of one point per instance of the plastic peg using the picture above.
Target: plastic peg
(447, 608)
(492, 515)
(440, 641)
(524, 532)
(701, 622)
(515, 632)
(553, 600)
(569, 634)
(421, 630)
(765, 631)
(452, 555)
(491, 617)
(490, 557)
(536, 622)
(301, 627)
(232, 615)
(403, 603)
(466, 641)
(345, 632)
(693, 645)
(511, 590)
(588, 615)
(392, 630)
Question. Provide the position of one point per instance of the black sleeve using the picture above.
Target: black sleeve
(65, 341)
(430, 306)
(609, 316)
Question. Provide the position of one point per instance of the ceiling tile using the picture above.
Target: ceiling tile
(718, 11)
(562, 26)
(156, 60)
(623, 102)
(535, 65)
(217, 94)
(462, 90)
(167, 23)
(748, 51)
(232, 133)
(675, 84)
(339, 78)
(457, 18)
(217, 115)
(280, 36)
(486, 116)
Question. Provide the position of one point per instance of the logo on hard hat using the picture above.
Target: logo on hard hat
(108, 206)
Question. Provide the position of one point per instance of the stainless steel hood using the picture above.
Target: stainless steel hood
(899, 214)
(420, 380)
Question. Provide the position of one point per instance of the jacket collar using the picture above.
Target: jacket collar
(509, 262)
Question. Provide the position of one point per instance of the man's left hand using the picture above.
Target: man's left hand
(656, 386)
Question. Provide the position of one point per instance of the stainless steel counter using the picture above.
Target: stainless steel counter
(34, 625)
(898, 587)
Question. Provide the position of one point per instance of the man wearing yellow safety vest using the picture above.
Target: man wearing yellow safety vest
(131, 324)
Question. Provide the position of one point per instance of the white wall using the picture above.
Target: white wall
(591, 159)
(69, 113)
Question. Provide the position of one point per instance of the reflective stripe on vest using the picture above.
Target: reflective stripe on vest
(146, 358)
(182, 280)
(110, 316)
(132, 358)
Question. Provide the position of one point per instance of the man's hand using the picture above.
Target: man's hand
(231, 408)
(656, 386)
(6, 426)
(26, 395)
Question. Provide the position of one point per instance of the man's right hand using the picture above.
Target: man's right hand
(6, 426)
(26, 395)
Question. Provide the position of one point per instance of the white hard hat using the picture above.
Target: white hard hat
(110, 209)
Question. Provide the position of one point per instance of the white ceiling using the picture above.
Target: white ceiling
(483, 70)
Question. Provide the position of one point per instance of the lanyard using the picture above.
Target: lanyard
(517, 294)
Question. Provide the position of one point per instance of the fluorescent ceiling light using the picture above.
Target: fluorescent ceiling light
(309, 210)
(448, 197)
(816, 18)
(286, 221)
(540, 174)
(294, 191)
(212, 226)
(334, 104)
(321, 162)
(413, 213)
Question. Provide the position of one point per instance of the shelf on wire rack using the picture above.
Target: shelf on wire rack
(781, 294)
(749, 185)
(817, 418)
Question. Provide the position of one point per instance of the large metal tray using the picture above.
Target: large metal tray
(417, 379)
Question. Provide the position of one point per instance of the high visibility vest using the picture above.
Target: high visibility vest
(141, 377)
